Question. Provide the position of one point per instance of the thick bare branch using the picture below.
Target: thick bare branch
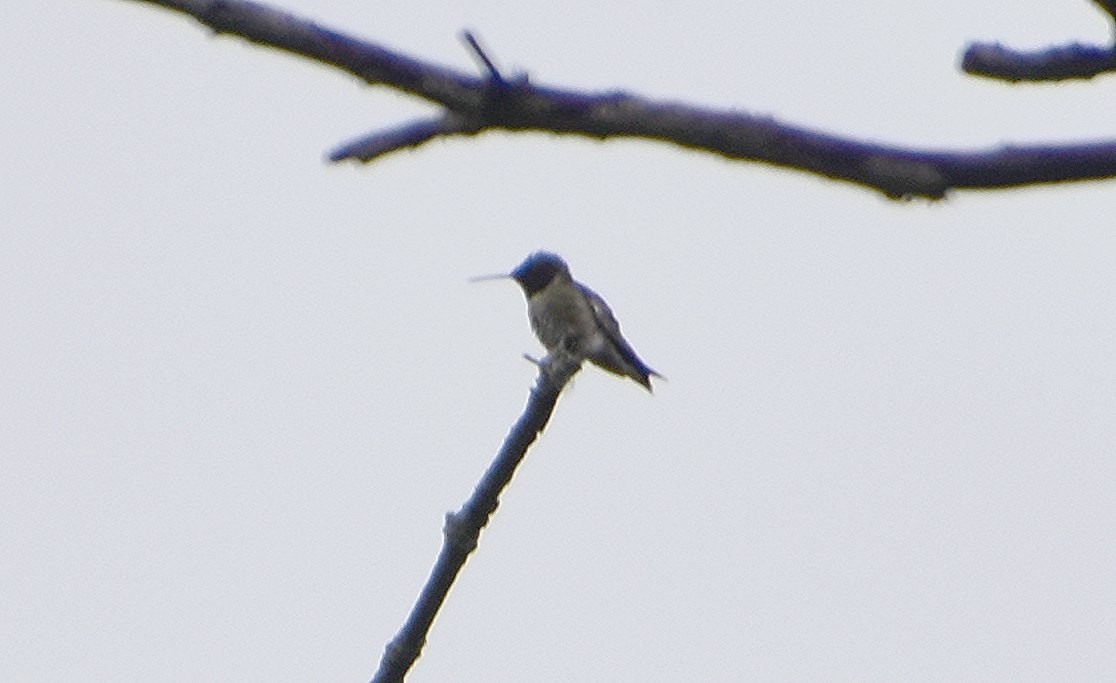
(478, 103)
(370, 62)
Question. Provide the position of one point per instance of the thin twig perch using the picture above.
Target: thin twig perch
(462, 528)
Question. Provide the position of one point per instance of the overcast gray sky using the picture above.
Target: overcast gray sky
(240, 387)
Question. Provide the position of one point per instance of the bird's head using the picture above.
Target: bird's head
(537, 271)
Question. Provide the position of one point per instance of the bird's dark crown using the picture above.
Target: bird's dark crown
(538, 270)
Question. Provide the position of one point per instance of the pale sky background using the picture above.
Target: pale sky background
(240, 387)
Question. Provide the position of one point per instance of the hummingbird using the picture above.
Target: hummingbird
(568, 317)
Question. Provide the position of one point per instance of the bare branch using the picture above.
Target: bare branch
(1061, 63)
(993, 60)
(475, 104)
(462, 528)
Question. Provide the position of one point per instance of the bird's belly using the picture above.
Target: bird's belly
(564, 324)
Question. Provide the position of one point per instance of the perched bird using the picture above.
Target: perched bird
(570, 318)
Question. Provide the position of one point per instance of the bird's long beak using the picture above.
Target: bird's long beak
(482, 278)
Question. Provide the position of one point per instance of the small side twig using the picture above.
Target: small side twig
(379, 143)
(992, 60)
(462, 528)
(482, 56)
(1060, 63)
